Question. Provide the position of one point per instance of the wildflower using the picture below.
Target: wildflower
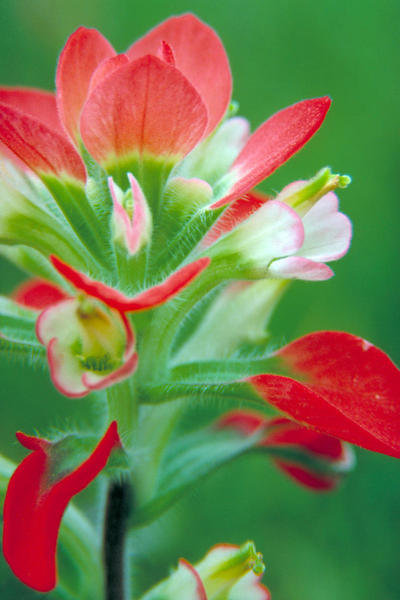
(37, 495)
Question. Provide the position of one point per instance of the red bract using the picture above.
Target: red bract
(284, 433)
(274, 142)
(35, 503)
(198, 53)
(38, 294)
(122, 107)
(349, 389)
(154, 296)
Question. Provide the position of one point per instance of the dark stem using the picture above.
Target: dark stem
(118, 509)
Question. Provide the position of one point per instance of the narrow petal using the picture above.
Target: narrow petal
(154, 296)
(237, 212)
(351, 389)
(274, 143)
(35, 503)
(38, 294)
(280, 431)
(199, 54)
(82, 54)
(328, 231)
(37, 103)
(298, 267)
(146, 106)
(39, 147)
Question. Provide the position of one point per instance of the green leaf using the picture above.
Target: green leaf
(188, 459)
(221, 371)
(17, 324)
(84, 221)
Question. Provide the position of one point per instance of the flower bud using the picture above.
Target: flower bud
(131, 217)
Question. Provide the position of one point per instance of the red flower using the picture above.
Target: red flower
(348, 389)
(35, 502)
(305, 444)
(122, 107)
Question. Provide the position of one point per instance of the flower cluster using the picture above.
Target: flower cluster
(128, 195)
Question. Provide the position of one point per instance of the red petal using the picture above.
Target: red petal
(237, 212)
(154, 296)
(38, 294)
(41, 148)
(36, 103)
(306, 478)
(34, 506)
(146, 106)
(83, 52)
(274, 142)
(199, 55)
(105, 69)
(351, 391)
(284, 432)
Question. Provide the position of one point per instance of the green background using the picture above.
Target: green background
(317, 547)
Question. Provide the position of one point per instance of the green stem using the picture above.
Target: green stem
(123, 408)
(167, 320)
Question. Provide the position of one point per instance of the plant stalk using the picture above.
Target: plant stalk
(118, 509)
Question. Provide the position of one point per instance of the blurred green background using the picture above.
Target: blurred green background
(342, 545)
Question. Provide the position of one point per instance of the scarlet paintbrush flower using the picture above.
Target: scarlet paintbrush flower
(37, 496)
(313, 459)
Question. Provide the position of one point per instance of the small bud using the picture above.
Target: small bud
(183, 196)
(131, 218)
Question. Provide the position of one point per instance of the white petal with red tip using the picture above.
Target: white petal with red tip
(249, 588)
(298, 267)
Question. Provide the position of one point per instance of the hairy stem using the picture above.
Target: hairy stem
(118, 510)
